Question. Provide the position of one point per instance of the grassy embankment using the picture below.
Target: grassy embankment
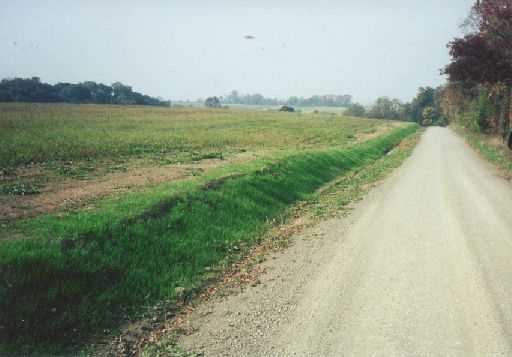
(333, 199)
(489, 147)
(82, 270)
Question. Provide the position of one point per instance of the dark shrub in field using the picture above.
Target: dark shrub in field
(286, 108)
(212, 102)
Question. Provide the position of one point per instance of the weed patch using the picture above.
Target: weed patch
(209, 155)
(20, 188)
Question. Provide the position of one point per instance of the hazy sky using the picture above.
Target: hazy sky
(190, 49)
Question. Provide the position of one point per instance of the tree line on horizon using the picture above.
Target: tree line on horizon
(424, 109)
(329, 100)
(34, 90)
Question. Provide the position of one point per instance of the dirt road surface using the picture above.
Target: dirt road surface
(423, 267)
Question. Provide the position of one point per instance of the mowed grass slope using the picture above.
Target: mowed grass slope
(40, 133)
(80, 271)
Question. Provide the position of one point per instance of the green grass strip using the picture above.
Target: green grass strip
(53, 290)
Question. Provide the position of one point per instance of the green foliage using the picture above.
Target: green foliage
(485, 110)
(386, 108)
(356, 110)
(428, 116)
(441, 121)
(82, 271)
(478, 112)
(427, 97)
(317, 100)
(33, 90)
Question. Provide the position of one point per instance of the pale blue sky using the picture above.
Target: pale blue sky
(191, 49)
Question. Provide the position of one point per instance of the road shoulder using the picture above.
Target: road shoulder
(242, 313)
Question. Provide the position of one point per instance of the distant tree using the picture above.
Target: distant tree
(4, 95)
(406, 111)
(356, 110)
(330, 100)
(75, 93)
(293, 101)
(387, 108)
(27, 90)
(426, 97)
(256, 99)
(233, 97)
(317, 100)
(423, 99)
(212, 102)
(33, 90)
(384, 108)
(427, 116)
(99, 93)
(122, 94)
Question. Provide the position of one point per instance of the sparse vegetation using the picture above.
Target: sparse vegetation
(49, 133)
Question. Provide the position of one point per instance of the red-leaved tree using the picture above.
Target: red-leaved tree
(495, 23)
(485, 57)
(476, 59)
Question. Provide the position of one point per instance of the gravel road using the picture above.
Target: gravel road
(423, 267)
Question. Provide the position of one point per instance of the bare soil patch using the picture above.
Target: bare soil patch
(63, 193)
